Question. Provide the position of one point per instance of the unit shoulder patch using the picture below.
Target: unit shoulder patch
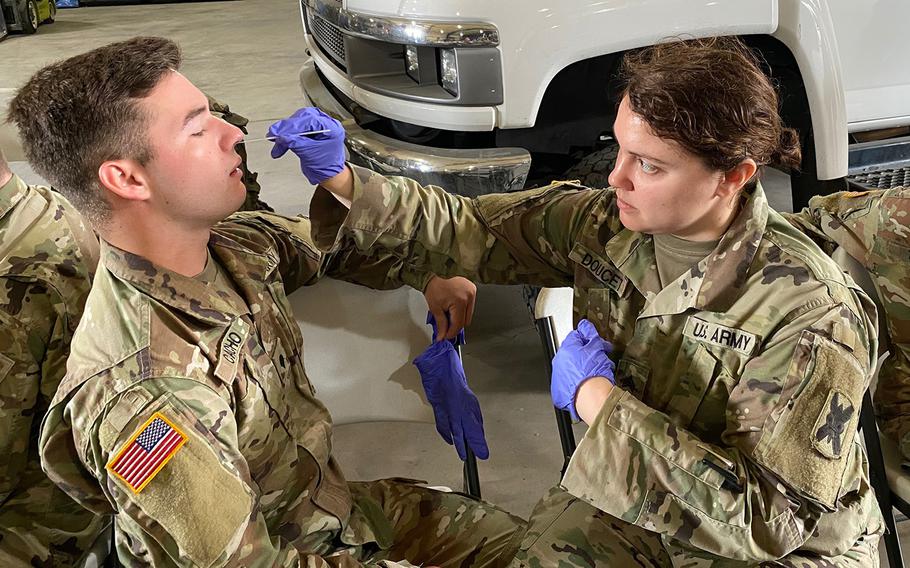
(147, 452)
(828, 434)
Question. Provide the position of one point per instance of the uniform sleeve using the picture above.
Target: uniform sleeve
(789, 439)
(302, 264)
(32, 333)
(874, 228)
(512, 238)
(191, 500)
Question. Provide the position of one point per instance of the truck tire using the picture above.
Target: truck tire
(29, 17)
(594, 169)
(52, 12)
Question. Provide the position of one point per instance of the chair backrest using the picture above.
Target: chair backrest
(358, 348)
(556, 303)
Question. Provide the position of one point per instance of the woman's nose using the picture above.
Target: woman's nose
(618, 177)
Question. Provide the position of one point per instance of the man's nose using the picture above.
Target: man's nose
(234, 136)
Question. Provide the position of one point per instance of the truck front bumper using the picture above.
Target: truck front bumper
(464, 172)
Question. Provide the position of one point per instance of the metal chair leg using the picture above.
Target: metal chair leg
(469, 472)
(879, 481)
(563, 418)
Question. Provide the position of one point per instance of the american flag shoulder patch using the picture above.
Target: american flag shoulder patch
(147, 452)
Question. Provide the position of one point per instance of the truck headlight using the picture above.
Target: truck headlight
(412, 63)
(448, 70)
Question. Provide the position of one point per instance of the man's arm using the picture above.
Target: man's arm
(790, 437)
(30, 325)
(199, 507)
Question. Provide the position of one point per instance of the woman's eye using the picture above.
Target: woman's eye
(198, 133)
(646, 167)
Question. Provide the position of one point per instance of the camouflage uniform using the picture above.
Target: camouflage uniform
(46, 258)
(731, 436)
(221, 364)
(874, 228)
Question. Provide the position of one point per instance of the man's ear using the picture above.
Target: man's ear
(736, 178)
(126, 179)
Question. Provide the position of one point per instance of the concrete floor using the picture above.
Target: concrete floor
(248, 53)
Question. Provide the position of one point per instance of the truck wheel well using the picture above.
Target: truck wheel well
(579, 106)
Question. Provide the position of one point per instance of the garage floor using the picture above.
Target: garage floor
(248, 53)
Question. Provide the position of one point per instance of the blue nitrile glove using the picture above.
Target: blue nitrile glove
(457, 412)
(582, 355)
(321, 155)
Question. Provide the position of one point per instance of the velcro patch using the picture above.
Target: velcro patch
(603, 270)
(147, 452)
(721, 335)
(831, 426)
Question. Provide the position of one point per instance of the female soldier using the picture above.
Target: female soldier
(728, 434)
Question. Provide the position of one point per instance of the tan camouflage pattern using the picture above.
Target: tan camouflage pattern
(732, 431)
(47, 255)
(874, 228)
(255, 484)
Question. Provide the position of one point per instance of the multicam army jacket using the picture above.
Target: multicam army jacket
(874, 228)
(47, 255)
(246, 476)
(733, 432)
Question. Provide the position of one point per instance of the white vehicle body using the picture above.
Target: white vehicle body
(849, 54)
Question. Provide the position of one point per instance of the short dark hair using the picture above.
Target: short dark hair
(710, 96)
(75, 114)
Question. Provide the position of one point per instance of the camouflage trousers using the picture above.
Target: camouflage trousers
(430, 528)
(566, 532)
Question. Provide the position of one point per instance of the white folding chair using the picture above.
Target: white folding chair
(553, 318)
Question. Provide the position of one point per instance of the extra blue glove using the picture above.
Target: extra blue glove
(457, 412)
(321, 155)
(582, 355)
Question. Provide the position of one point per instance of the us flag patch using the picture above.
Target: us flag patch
(147, 452)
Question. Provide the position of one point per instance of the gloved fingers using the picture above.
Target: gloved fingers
(475, 435)
(279, 149)
(442, 426)
(587, 330)
(573, 340)
(458, 438)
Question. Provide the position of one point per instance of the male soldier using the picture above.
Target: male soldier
(47, 256)
(186, 410)
(874, 228)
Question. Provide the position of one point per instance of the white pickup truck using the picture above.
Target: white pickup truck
(483, 95)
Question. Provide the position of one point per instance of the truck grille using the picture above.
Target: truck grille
(884, 179)
(328, 37)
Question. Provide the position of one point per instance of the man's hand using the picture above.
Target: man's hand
(455, 407)
(451, 301)
(321, 155)
(583, 355)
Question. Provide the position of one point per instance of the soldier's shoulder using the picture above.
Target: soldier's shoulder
(787, 257)
(49, 241)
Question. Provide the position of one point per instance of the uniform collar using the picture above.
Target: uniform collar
(11, 193)
(715, 283)
(191, 296)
